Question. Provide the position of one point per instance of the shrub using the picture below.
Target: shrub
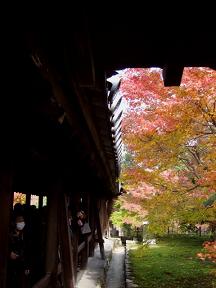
(209, 252)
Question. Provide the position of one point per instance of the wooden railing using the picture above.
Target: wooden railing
(44, 282)
(81, 247)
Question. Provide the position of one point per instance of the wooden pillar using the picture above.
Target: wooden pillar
(66, 245)
(99, 232)
(92, 245)
(74, 202)
(84, 252)
(52, 232)
(40, 201)
(92, 225)
(28, 199)
(51, 261)
(6, 206)
(75, 253)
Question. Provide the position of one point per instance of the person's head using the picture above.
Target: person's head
(20, 222)
(18, 208)
(81, 215)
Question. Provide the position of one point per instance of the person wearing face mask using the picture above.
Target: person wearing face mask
(18, 266)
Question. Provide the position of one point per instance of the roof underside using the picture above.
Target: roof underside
(78, 53)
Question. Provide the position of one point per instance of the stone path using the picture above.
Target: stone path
(116, 273)
(104, 273)
(94, 274)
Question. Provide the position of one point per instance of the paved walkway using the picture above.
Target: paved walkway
(107, 273)
(116, 273)
(94, 274)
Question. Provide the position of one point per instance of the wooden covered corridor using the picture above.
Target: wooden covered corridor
(61, 124)
(61, 139)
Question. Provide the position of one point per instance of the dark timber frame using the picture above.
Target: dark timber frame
(61, 124)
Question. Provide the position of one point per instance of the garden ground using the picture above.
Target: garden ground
(172, 263)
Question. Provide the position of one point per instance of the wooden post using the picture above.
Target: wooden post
(6, 206)
(75, 253)
(28, 199)
(99, 232)
(40, 201)
(66, 245)
(52, 232)
(92, 225)
(74, 200)
(85, 251)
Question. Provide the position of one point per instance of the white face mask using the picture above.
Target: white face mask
(20, 225)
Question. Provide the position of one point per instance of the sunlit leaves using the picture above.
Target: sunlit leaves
(209, 251)
(170, 135)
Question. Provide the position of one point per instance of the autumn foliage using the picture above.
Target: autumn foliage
(169, 135)
(19, 198)
(209, 252)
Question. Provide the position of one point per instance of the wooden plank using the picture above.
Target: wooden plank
(6, 204)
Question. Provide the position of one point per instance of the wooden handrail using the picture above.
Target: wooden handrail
(90, 237)
(81, 246)
(44, 282)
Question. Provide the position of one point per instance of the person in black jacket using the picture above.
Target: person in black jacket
(18, 266)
